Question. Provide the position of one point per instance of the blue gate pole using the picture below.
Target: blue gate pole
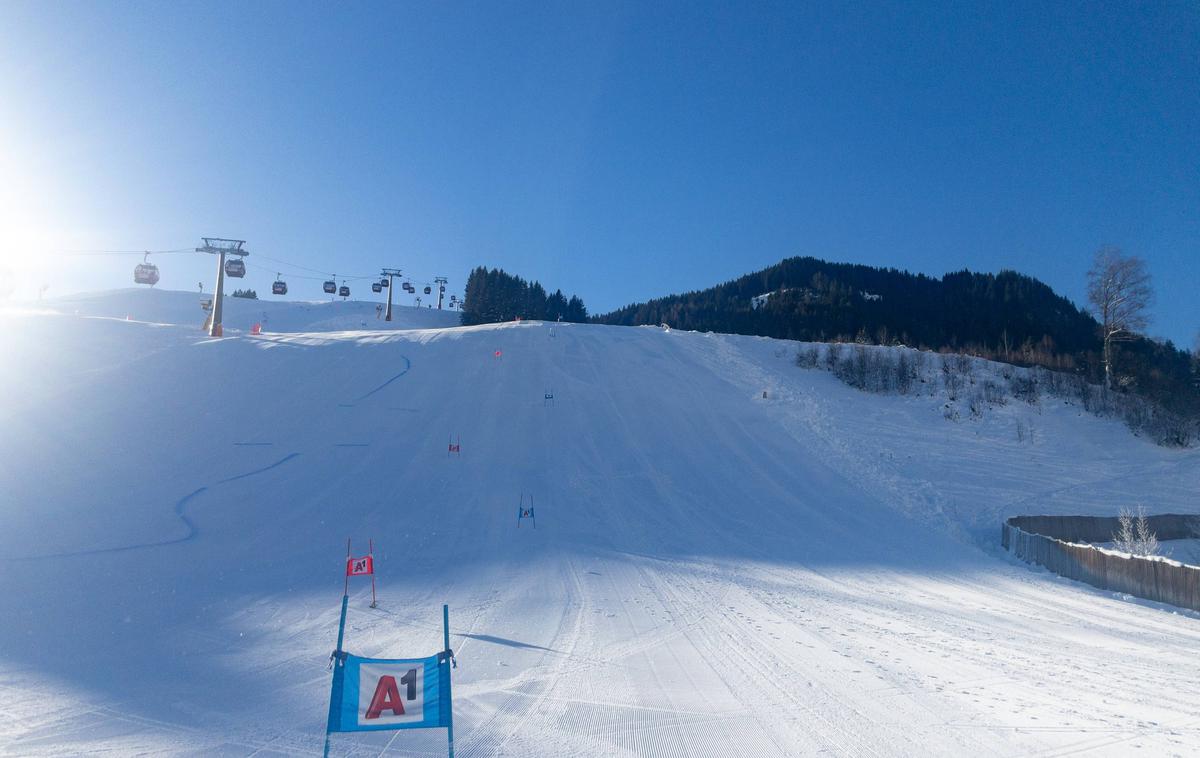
(450, 715)
(342, 623)
(336, 661)
(337, 654)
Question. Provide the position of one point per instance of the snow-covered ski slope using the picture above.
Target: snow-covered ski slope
(712, 573)
(240, 314)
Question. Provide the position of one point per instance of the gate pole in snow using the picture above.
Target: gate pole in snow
(521, 514)
(337, 656)
(371, 552)
(342, 623)
(345, 600)
(337, 653)
(450, 700)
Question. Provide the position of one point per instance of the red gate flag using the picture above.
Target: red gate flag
(360, 566)
(455, 448)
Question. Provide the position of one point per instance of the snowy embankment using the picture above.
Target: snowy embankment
(713, 571)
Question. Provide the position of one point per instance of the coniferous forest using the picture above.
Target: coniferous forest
(1006, 316)
(495, 295)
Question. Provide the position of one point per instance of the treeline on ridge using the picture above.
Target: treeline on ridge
(493, 295)
(1008, 317)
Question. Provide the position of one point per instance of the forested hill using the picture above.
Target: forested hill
(811, 299)
(1006, 316)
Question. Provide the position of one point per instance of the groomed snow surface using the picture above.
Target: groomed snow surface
(713, 572)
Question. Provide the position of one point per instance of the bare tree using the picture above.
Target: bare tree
(1133, 533)
(1125, 537)
(1120, 294)
(1147, 541)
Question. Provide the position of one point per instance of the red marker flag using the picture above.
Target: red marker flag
(360, 566)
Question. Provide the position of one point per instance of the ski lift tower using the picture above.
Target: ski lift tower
(220, 248)
(440, 281)
(391, 274)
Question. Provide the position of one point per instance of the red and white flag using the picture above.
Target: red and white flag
(360, 566)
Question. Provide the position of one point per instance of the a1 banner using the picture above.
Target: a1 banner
(360, 566)
(389, 693)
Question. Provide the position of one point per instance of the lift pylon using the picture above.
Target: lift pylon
(440, 281)
(390, 273)
(220, 247)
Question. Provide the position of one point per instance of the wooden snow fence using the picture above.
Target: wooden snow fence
(1058, 543)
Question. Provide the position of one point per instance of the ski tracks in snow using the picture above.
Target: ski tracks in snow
(407, 366)
(524, 698)
(180, 510)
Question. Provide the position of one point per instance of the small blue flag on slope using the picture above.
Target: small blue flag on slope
(389, 693)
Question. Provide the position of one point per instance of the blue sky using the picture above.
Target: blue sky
(618, 151)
